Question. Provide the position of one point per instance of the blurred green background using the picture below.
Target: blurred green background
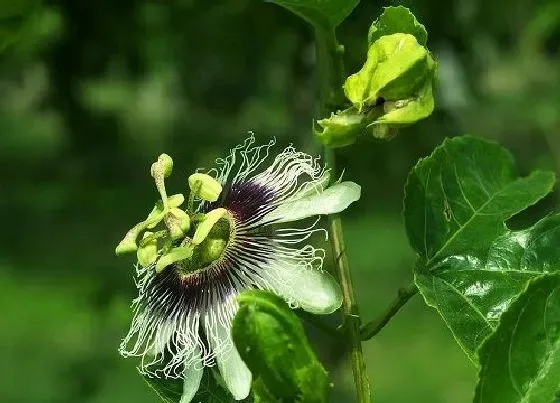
(93, 90)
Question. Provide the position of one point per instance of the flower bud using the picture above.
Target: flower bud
(407, 111)
(205, 187)
(395, 68)
(340, 129)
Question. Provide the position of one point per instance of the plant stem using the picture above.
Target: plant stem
(351, 317)
(331, 77)
(372, 328)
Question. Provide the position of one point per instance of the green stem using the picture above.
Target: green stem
(403, 296)
(331, 77)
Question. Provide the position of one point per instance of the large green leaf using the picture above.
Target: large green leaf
(210, 391)
(520, 361)
(470, 266)
(320, 13)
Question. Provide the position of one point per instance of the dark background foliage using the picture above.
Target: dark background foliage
(92, 91)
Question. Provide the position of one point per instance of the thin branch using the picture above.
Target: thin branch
(404, 294)
(331, 78)
(351, 317)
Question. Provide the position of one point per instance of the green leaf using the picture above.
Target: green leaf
(325, 14)
(210, 391)
(456, 203)
(459, 197)
(397, 66)
(397, 20)
(271, 341)
(520, 361)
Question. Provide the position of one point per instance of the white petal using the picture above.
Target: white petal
(191, 382)
(233, 370)
(312, 290)
(333, 200)
(235, 374)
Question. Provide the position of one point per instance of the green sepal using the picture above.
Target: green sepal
(341, 128)
(271, 341)
(395, 20)
(396, 67)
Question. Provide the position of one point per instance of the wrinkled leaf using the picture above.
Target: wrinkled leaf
(326, 14)
(271, 341)
(397, 66)
(520, 361)
(395, 20)
(210, 391)
(456, 203)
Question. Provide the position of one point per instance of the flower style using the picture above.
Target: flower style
(237, 241)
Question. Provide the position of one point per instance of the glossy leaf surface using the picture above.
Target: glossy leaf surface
(470, 266)
(520, 362)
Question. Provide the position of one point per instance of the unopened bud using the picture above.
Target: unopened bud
(340, 129)
(395, 68)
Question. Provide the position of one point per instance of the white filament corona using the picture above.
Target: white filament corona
(182, 322)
